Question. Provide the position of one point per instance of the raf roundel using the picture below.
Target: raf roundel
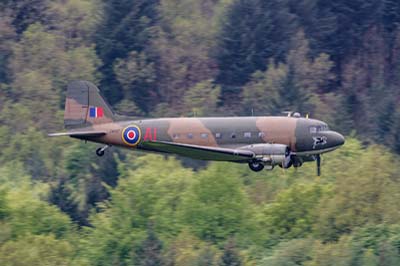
(131, 135)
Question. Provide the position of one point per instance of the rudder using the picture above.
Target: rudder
(84, 106)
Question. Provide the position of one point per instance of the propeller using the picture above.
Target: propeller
(318, 160)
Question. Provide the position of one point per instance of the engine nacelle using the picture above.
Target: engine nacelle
(271, 154)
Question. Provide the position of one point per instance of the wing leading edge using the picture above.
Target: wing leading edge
(199, 152)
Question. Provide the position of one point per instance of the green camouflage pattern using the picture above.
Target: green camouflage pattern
(208, 138)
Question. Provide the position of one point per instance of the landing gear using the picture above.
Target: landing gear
(286, 164)
(297, 162)
(318, 161)
(256, 166)
(100, 151)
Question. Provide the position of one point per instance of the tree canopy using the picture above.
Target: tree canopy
(338, 61)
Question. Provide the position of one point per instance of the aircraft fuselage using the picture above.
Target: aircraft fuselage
(264, 141)
(303, 136)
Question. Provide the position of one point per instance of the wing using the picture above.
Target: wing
(199, 152)
(79, 134)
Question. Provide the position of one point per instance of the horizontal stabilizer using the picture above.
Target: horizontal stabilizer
(78, 134)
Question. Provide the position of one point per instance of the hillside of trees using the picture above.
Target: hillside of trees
(338, 61)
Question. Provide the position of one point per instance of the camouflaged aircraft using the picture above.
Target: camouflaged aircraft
(261, 142)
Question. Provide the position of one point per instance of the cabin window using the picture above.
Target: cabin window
(190, 135)
(247, 135)
(175, 136)
(233, 135)
(218, 135)
(204, 135)
(313, 129)
(261, 134)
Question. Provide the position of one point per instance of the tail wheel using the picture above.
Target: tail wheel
(256, 166)
(100, 152)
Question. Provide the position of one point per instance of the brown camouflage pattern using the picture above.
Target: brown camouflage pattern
(204, 131)
(209, 135)
(81, 95)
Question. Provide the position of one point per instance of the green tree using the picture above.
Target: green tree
(20, 149)
(125, 27)
(351, 21)
(36, 250)
(363, 194)
(41, 68)
(216, 207)
(137, 78)
(291, 86)
(26, 12)
(253, 32)
(376, 245)
(81, 183)
(149, 253)
(291, 253)
(391, 18)
(144, 195)
(43, 217)
(186, 249)
(339, 253)
(77, 21)
(206, 258)
(202, 99)
(230, 256)
(293, 213)
(187, 37)
(25, 209)
(7, 40)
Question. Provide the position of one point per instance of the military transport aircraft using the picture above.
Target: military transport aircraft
(261, 142)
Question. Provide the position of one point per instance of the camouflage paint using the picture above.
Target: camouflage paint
(213, 137)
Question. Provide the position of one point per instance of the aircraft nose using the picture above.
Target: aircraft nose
(336, 139)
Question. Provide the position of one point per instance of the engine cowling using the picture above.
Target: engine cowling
(272, 154)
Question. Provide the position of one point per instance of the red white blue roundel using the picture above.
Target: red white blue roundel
(131, 135)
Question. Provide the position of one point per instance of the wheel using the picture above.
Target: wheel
(297, 164)
(100, 152)
(287, 166)
(256, 166)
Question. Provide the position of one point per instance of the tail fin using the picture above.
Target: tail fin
(84, 106)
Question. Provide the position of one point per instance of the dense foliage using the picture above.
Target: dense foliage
(337, 60)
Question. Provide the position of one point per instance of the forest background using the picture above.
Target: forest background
(338, 61)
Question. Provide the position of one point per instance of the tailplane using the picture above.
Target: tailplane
(84, 106)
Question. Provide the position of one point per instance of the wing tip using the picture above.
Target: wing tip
(57, 134)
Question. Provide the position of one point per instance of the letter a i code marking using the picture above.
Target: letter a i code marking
(150, 135)
(147, 135)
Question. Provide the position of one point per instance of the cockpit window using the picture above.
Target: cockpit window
(324, 128)
(316, 129)
(313, 129)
